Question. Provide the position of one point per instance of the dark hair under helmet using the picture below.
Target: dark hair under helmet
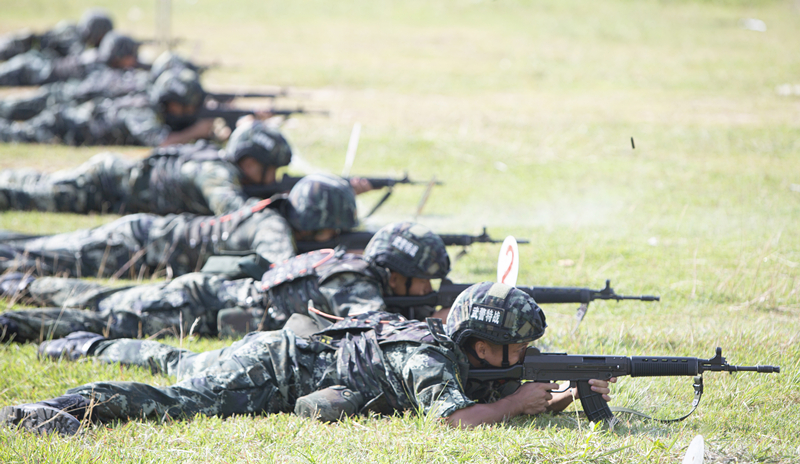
(321, 201)
(410, 249)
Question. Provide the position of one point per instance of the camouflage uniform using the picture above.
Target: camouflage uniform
(147, 244)
(101, 83)
(342, 285)
(61, 53)
(64, 39)
(374, 361)
(393, 363)
(38, 68)
(130, 120)
(191, 178)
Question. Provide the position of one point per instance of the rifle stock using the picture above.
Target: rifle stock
(579, 369)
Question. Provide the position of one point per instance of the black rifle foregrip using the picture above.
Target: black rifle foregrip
(594, 406)
(652, 366)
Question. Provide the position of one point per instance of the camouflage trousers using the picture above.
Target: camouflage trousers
(29, 68)
(115, 249)
(265, 372)
(101, 184)
(24, 108)
(199, 303)
(133, 246)
(160, 358)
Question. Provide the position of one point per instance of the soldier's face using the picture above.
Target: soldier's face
(322, 235)
(126, 62)
(253, 172)
(418, 287)
(493, 354)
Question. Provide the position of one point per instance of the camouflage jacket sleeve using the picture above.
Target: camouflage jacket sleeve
(218, 182)
(429, 374)
(267, 233)
(144, 126)
(352, 293)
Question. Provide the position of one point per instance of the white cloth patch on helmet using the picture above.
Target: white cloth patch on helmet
(405, 246)
(487, 314)
(264, 140)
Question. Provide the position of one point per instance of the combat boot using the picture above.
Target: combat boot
(73, 346)
(15, 284)
(8, 329)
(55, 415)
(330, 404)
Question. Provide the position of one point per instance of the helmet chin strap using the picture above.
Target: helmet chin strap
(471, 351)
(409, 281)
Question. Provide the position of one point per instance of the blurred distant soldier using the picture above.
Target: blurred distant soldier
(319, 206)
(198, 178)
(64, 39)
(167, 117)
(36, 68)
(118, 79)
(401, 259)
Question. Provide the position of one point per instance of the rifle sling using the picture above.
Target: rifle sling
(698, 393)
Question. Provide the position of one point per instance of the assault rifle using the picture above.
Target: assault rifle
(225, 97)
(358, 241)
(579, 369)
(287, 182)
(231, 115)
(448, 291)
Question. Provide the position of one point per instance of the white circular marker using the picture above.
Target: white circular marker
(508, 262)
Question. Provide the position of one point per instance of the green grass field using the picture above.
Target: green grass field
(526, 111)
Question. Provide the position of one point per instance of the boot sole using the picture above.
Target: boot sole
(39, 419)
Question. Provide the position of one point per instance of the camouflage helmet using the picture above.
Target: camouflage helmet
(260, 142)
(181, 86)
(94, 25)
(495, 312)
(410, 249)
(115, 46)
(320, 201)
(169, 60)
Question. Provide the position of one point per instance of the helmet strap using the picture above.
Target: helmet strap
(505, 356)
(471, 351)
(409, 281)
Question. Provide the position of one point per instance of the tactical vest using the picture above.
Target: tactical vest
(291, 284)
(159, 183)
(185, 245)
(388, 327)
(359, 361)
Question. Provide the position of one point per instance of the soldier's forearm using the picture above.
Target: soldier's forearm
(478, 414)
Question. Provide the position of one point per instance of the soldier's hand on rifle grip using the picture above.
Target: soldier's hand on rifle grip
(603, 387)
(534, 397)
